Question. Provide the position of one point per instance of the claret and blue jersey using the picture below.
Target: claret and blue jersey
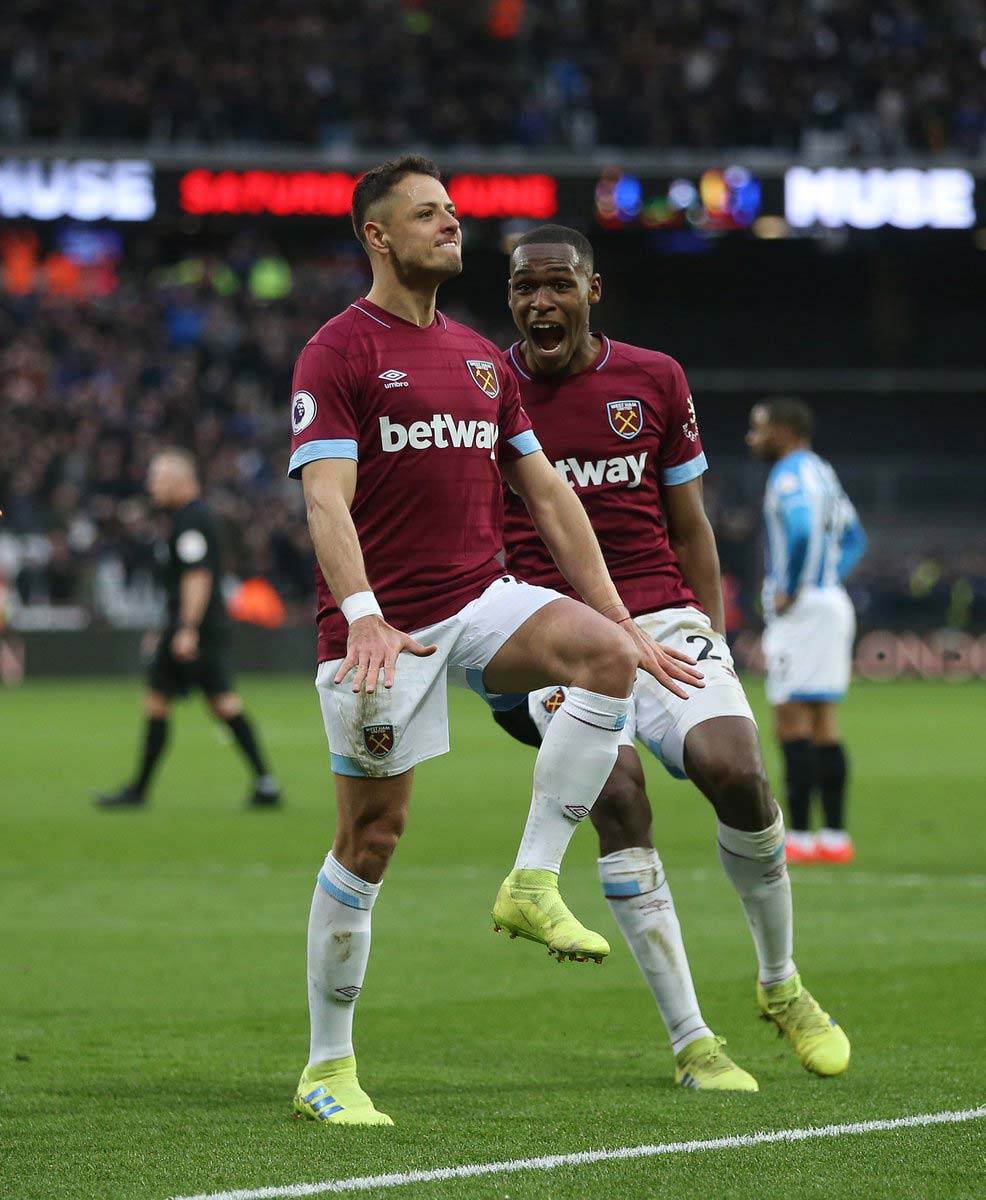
(814, 536)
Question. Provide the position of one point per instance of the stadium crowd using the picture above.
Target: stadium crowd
(199, 353)
(876, 78)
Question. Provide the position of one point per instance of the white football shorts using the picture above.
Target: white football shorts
(808, 649)
(388, 732)
(659, 719)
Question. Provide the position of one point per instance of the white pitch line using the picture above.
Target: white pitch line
(365, 1183)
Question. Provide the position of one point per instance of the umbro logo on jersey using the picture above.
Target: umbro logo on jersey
(394, 379)
(628, 469)
(441, 430)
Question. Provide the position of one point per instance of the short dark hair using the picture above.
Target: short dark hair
(378, 181)
(792, 413)
(560, 235)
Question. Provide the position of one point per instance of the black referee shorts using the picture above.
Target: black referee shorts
(211, 672)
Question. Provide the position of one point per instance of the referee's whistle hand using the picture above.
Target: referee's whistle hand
(185, 645)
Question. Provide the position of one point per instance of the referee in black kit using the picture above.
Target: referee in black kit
(192, 651)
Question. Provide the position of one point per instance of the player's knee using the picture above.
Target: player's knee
(226, 706)
(621, 814)
(374, 842)
(610, 662)
(156, 705)
(742, 791)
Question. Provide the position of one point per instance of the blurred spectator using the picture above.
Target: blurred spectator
(878, 78)
(197, 355)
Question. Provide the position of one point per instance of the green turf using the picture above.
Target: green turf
(152, 982)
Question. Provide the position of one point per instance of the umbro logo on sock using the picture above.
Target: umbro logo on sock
(576, 812)
(348, 993)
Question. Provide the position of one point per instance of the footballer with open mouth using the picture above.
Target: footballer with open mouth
(549, 285)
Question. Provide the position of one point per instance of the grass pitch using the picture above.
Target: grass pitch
(152, 980)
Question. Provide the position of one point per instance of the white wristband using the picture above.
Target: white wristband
(360, 604)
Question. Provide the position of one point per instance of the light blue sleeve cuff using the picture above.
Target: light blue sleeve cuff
(525, 443)
(328, 448)
(685, 471)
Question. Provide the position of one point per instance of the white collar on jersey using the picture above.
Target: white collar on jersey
(607, 351)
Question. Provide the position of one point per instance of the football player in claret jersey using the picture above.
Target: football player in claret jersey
(814, 539)
(405, 424)
(619, 425)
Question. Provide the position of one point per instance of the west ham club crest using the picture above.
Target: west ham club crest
(626, 417)
(483, 375)
(378, 739)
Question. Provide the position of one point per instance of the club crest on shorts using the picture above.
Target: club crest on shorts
(483, 375)
(551, 704)
(626, 417)
(378, 739)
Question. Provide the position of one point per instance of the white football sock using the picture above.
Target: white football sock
(755, 865)
(639, 897)
(338, 949)
(575, 760)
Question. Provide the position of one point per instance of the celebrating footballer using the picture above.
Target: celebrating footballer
(405, 425)
(620, 427)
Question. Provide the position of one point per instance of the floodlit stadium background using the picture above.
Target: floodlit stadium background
(789, 197)
(777, 223)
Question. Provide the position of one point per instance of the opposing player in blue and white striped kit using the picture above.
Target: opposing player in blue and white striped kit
(813, 540)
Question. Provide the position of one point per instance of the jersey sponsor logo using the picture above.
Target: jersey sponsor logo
(690, 427)
(483, 375)
(303, 410)
(551, 704)
(441, 430)
(626, 417)
(628, 469)
(394, 379)
(191, 546)
(378, 739)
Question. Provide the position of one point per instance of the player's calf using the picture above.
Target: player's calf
(372, 815)
(622, 813)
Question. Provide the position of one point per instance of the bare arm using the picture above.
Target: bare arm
(329, 485)
(694, 543)
(561, 521)
(194, 591)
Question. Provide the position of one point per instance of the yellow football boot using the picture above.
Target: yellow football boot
(528, 905)
(704, 1064)
(818, 1041)
(329, 1092)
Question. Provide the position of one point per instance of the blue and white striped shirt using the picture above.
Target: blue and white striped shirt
(814, 536)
